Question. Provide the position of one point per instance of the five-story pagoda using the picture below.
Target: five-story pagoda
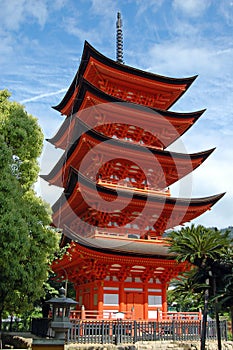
(116, 174)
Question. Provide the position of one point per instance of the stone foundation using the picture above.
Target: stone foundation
(20, 342)
(175, 345)
(163, 345)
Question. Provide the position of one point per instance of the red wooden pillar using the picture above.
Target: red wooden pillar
(145, 301)
(100, 299)
(164, 297)
(122, 306)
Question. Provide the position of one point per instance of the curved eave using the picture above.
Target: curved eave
(82, 129)
(60, 139)
(86, 90)
(161, 212)
(90, 51)
(76, 177)
(58, 174)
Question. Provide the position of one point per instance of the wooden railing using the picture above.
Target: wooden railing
(97, 315)
(128, 186)
(129, 315)
(118, 232)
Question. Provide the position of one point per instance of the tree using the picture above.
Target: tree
(27, 242)
(204, 248)
(224, 297)
(23, 137)
(187, 291)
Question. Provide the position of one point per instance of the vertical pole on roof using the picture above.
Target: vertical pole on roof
(119, 39)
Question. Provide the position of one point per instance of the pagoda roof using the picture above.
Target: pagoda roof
(125, 82)
(87, 203)
(110, 158)
(112, 245)
(113, 117)
(86, 260)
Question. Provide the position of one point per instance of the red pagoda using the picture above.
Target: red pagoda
(116, 174)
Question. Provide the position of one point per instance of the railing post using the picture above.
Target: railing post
(117, 333)
(173, 331)
(135, 332)
(132, 313)
(154, 337)
(158, 315)
(103, 333)
(83, 313)
(225, 329)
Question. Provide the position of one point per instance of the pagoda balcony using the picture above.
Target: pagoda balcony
(126, 185)
(120, 233)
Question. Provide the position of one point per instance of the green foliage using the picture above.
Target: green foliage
(210, 251)
(27, 242)
(187, 291)
(199, 245)
(23, 137)
(225, 284)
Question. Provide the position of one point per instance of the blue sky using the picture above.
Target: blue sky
(41, 43)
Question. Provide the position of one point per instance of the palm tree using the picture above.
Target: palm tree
(204, 248)
(187, 291)
(224, 296)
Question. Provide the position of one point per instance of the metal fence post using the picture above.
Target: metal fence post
(154, 337)
(135, 332)
(173, 331)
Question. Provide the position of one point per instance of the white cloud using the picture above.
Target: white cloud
(151, 5)
(226, 8)
(103, 8)
(12, 13)
(41, 96)
(191, 8)
(58, 4)
(15, 12)
(73, 27)
(6, 47)
(182, 56)
(38, 9)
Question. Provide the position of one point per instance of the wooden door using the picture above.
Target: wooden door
(86, 301)
(134, 300)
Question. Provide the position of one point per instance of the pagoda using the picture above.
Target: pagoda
(116, 174)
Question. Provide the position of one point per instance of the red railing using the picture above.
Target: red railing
(114, 315)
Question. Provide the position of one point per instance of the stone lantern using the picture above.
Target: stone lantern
(61, 313)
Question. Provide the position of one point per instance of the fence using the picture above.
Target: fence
(119, 331)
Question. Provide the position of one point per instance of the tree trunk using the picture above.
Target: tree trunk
(217, 314)
(0, 329)
(0, 321)
(231, 308)
(204, 318)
